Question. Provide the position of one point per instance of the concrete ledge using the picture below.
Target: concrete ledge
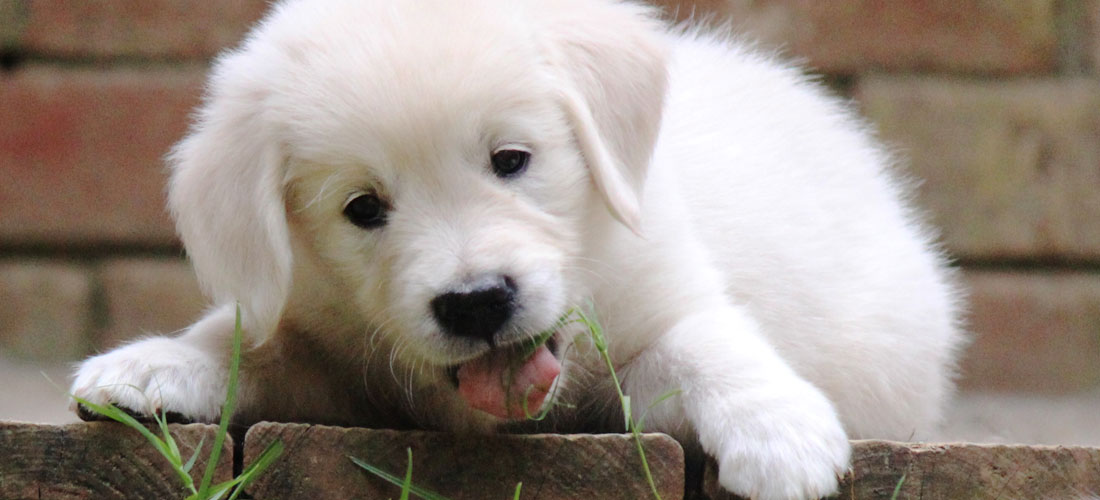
(106, 461)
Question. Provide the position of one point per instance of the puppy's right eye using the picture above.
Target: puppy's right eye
(509, 162)
(366, 211)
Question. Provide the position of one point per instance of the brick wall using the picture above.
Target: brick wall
(996, 103)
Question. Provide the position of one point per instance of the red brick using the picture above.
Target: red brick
(1009, 168)
(1033, 332)
(81, 151)
(847, 36)
(1092, 33)
(147, 296)
(45, 309)
(12, 21)
(136, 28)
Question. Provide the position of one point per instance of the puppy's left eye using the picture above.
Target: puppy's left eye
(510, 162)
(367, 211)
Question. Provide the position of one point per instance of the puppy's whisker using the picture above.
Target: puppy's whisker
(581, 269)
(393, 359)
(321, 193)
(378, 286)
(597, 266)
(369, 340)
(590, 260)
(370, 347)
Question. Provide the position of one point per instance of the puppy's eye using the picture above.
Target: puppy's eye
(509, 162)
(366, 211)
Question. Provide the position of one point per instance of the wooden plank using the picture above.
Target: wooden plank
(97, 460)
(316, 464)
(952, 471)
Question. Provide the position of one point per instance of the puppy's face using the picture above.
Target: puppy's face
(447, 200)
(436, 165)
(450, 210)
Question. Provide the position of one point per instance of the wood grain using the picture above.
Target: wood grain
(97, 460)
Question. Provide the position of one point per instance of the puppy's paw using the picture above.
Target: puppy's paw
(152, 375)
(796, 452)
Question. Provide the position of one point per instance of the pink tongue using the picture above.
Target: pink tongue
(483, 382)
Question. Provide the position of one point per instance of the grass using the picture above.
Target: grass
(897, 489)
(405, 483)
(632, 426)
(595, 332)
(168, 448)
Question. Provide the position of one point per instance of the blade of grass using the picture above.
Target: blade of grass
(227, 408)
(397, 481)
(406, 485)
(167, 446)
(256, 468)
(640, 424)
(176, 459)
(527, 349)
(194, 457)
(519, 486)
(114, 413)
(600, 341)
(217, 492)
(897, 489)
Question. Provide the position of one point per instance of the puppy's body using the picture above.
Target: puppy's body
(762, 263)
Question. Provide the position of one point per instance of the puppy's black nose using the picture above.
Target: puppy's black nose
(478, 312)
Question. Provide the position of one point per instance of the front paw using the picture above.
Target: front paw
(793, 453)
(151, 376)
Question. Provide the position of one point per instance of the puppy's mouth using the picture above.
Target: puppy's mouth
(509, 382)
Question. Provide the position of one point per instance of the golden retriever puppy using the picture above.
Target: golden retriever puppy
(401, 194)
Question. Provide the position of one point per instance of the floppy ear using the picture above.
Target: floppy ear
(610, 59)
(226, 194)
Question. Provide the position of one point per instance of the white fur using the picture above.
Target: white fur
(750, 247)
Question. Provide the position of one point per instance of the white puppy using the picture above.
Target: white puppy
(399, 193)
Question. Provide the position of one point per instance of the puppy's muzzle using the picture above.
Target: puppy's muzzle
(478, 309)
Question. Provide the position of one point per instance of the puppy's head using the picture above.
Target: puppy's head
(431, 171)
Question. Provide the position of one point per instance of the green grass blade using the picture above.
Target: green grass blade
(627, 417)
(227, 407)
(194, 456)
(256, 468)
(176, 457)
(530, 346)
(897, 489)
(596, 333)
(170, 449)
(519, 486)
(406, 484)
(600, 341)
(645, 463)
(114, 413)
(397, 481)
(217, 492)
(640, 424)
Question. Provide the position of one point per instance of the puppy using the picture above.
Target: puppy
(400, 195)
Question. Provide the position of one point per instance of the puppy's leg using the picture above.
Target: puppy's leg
(773, 434)
(185, 375)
